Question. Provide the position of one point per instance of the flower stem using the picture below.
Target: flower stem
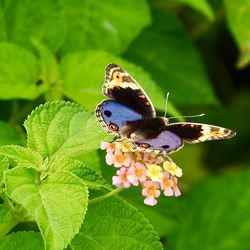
(105, 196)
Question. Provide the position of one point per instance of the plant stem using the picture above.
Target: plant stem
(105, 196)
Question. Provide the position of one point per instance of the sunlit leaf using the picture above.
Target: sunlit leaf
(63, 128)
(58, 203)
(19, 71)
(22, 241)
(125, 227)
(108, 25)
(22, 155)
(40, 19)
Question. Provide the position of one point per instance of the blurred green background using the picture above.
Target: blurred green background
(198, 50)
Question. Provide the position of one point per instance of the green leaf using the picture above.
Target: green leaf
(173, 62)
(108, 25)
(22, 241)
(90, 177)
(49, 71)
(19, 71)
(238, 20)
(48, 63)
(91, 159)
(9, 135)
(114, 224)
(7, 221)
(219, 216)
(58, 204)
(162, 217)
(83, 75)
(22, 155)
(63, 128)
(41, 19)
(200, 5)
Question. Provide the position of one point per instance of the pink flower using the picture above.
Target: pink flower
(150, 191)
(177, 191)
(166, 184)
(109, 147)
(122, 159)
(118, 159)
(137, 173)
(121, 178)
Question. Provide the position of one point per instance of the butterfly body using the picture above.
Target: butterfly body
(131, 116)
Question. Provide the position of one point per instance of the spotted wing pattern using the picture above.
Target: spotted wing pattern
(199, 132)
(120, 86)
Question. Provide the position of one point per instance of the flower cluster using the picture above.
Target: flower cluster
(154, 172)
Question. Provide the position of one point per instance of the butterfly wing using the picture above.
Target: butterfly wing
(120, 86)
(117, 118)
(199, 132)
(156, 134)
(165, 141)
(153, 136)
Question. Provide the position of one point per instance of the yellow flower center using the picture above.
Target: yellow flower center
(166, 182)
(139, 172)
(120, 158)
(123, 177)
(151, 191)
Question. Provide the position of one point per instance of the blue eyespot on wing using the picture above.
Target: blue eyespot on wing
(166, 141)
(117, 118)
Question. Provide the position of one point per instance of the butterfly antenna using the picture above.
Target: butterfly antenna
(166, 105)
(186, 116)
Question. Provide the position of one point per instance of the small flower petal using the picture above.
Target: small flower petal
(176, 190)
(172, 168)
(154, 172)
(110, 147)
(150, 191)
(137, 173)
(151, 201)
(121, 159)
(121, 178)
(109, 158)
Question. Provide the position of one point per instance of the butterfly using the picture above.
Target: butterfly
(130, 115)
